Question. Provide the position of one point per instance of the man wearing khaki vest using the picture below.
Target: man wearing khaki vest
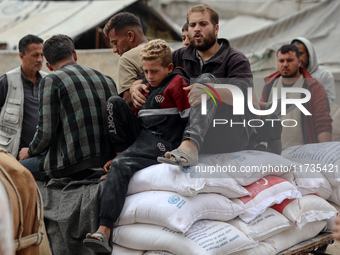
(19, 90)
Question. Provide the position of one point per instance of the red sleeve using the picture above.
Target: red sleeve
(320, 110)
(263, 97)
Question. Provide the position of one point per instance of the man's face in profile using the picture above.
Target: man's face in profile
(120, 41)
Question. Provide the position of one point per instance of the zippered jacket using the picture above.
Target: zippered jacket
(320, 120)
(166, 110)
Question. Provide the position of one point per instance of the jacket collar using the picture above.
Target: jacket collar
(69, 64)
(219, 57)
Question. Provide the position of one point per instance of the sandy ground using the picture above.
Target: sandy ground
(334, 248)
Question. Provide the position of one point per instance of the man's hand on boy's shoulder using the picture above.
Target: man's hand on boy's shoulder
(195, 93)
(136, 90)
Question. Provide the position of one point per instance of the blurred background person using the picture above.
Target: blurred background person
(310, 62)
(185, 38)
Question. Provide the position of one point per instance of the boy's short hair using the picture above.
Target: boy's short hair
(157, 50)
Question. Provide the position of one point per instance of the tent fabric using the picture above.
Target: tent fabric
(244, 25)
(319, 23)
(46, 18)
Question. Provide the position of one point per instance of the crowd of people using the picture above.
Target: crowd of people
(74, 120)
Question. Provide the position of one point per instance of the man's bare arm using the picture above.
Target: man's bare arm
(137, 97)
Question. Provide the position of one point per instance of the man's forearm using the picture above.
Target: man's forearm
(127, 97)
(325, 137)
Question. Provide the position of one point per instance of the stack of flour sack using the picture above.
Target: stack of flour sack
(248, 202)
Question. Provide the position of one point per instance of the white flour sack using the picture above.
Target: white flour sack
(318, 184)
(247, 166)
(265, 225)
(262, 249)
(158, 253)
(335, 197)
(318, 157)
(116, 249)
(174, 211)
(205, 237)
(265, 192)
(309, 208)
(336, 206)
(292, 236)
(178, 179)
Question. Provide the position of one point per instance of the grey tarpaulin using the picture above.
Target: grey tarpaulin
(71, 210)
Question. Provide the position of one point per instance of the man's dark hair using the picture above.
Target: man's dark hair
(27, 40)
(185, 27)
(57, 48)
(296, 42)
(289, 47)
(121, 21)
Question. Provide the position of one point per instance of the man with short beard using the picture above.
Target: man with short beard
(125, 32)
(315, 128)
(207, 54)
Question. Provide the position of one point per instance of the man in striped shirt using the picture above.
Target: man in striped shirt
(72, 135)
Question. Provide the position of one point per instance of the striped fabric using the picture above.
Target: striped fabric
(72, 122)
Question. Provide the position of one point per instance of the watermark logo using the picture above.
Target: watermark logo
(239, 101)
(204, 97)
(239, 105)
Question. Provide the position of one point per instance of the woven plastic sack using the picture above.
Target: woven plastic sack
(205, 237)
(174, 211)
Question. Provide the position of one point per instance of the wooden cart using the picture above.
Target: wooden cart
(316, 246)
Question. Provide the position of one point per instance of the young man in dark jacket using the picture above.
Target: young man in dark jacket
(314, 128)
